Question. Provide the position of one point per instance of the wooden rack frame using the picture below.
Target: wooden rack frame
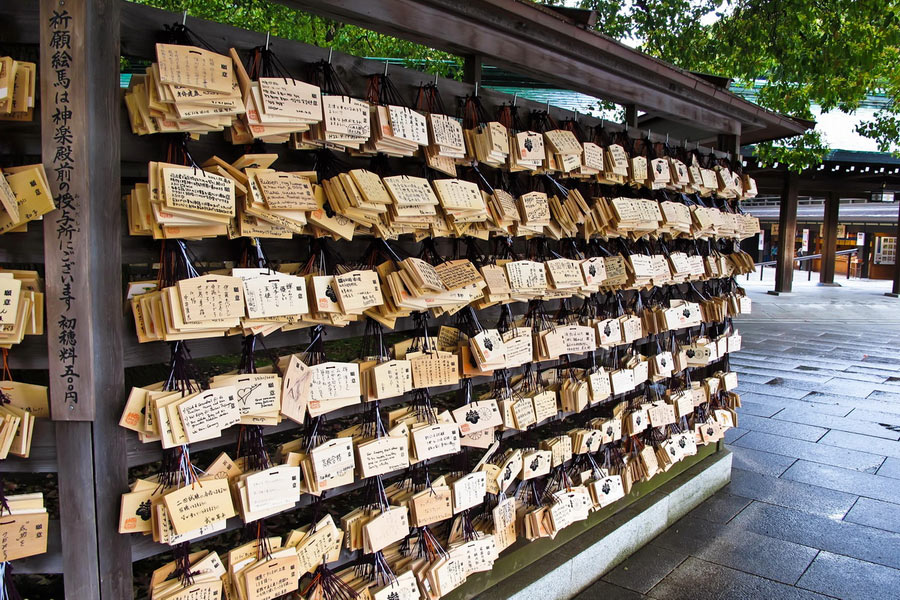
(84, 444)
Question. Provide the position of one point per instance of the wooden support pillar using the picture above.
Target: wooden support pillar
(829, 239)
(631, 115)
(80, 112)
(472, 68)
(895, 289)
(787, 233)
(865, 254)
(730, 143)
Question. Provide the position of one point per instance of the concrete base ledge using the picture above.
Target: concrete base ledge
(571, 568)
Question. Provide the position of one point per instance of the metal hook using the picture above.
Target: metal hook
(183, 18)
(267, 40)
(476, 89)
(515, 98)
(330, 53)
(667, 139)
(386, 63)
(435, 79)
(548, 107)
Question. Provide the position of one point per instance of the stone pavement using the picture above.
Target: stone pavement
(813, 508)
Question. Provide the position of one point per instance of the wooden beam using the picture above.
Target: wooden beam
(829, 238)
(582, 17)
(787, 233)
(528, 41)
(770, 183)
(80, 111)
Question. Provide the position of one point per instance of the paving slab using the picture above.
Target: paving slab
(844, 480)
(790, 494)
(875, 513)
(749, 407)
(815, 405)
(886, 394)
(782, 427)
(814, 371)
(729, 546)
(881, 363)
(848, 424)
(767, 345)
(827, 405)
(843, 387)
(761, 356)
(885, 372)
(721, 507)
(890, 468)
(645, 568)
(816, 452)
(745, 376)
(854, 441)
(773, 390)
(734, 433)
(697, 579)
(607, 591)
(798, 373)
(850, 579)
(755, 360)
(853, 403)
(843, 537)
(885, 419)
(758, 461)
(818, 350)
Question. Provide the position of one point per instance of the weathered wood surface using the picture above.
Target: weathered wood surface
(787, 232)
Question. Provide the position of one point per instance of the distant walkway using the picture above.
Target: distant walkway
(855, 300)
(813, 509)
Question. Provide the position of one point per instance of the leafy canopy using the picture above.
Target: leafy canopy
(832, 53)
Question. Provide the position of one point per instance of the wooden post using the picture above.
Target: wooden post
(829, 239)
(787, 233)
(865, 255)
(895, 289)
(80, 109)
(730, 143)
(631, 115)
(472, 68)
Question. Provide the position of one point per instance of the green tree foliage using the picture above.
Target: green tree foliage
(282, 21)
(832, 53)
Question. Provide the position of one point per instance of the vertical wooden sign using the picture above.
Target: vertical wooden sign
(64, 138)
(80, 112)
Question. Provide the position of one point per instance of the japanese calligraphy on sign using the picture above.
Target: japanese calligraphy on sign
(64, 230)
